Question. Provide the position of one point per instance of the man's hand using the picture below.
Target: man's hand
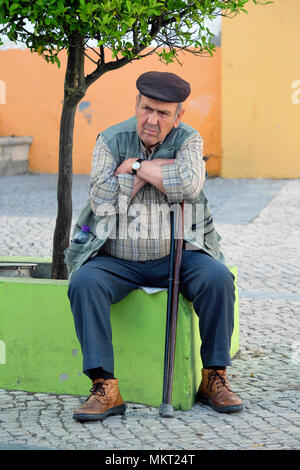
(148, 173)
(125, 167)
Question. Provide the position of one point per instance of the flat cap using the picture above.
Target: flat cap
(163, 86)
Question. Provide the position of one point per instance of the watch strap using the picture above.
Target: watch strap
(139, 160)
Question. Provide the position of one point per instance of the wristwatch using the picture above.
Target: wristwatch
(136, 166)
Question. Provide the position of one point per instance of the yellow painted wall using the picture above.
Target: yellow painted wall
(260, 109)
(34, 92)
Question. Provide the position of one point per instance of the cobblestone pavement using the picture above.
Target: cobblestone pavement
(259, 221)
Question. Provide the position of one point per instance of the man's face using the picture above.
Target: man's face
(155, 119)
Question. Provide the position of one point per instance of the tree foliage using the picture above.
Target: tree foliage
(127, 27)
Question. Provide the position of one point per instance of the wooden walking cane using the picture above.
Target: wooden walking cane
(166, 409)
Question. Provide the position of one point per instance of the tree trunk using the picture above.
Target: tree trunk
(64, 192)
(74, 91)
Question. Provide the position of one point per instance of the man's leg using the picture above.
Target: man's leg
(93, 288)
(210, 286)
(97, 285)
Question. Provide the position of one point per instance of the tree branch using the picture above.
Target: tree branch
(92, 60)
(102, 53)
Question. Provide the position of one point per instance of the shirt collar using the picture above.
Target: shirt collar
(149, 153)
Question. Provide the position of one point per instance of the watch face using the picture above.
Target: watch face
(136, 165)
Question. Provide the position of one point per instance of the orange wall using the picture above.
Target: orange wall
(260, 73)
(34, 93)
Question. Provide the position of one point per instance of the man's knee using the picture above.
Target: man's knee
(215, 292)
(205, 279)
(217, 278)
(220, 276)
(81, 280)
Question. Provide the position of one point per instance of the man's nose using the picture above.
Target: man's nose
(153, 118)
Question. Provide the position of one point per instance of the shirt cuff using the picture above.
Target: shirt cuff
(172, 183)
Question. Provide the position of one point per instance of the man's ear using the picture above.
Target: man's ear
(179, 117)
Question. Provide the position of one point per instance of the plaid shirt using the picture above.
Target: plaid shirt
(142, 233)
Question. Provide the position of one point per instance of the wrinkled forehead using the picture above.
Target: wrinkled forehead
(162, 106)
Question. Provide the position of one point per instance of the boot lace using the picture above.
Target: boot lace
(215, 378)
(97, 389)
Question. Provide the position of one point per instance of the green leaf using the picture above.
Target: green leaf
(13, 8)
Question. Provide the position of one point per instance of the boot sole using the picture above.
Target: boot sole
(117, 410)
(219, 409)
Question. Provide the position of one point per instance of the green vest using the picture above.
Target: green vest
(123, 142)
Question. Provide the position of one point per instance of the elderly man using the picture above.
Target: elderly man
(150, 160)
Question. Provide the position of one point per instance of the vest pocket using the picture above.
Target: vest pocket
(76, 254)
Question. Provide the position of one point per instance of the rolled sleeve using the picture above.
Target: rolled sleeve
(184, 179)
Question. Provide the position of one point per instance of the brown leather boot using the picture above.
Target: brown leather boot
(105, 400)
(215, 391)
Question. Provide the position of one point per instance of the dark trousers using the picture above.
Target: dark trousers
(105, 280)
